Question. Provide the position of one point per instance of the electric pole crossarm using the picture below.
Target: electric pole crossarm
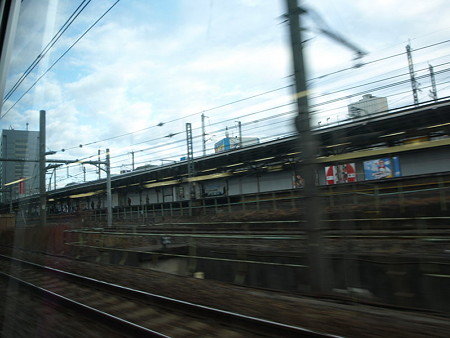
(53, 166)
(343, 41)
(76, 161)
(61, 162)
(323, 28)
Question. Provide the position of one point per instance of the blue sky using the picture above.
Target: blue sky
(148, 62)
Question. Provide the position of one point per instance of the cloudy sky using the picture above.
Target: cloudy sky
(147, 68)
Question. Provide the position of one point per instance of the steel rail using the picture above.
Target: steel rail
(253, 324)
(106, 318)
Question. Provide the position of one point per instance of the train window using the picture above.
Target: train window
(208, 151)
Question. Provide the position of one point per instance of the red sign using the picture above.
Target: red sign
(341, 173)
(330, 174)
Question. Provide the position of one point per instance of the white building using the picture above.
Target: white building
(368, 105)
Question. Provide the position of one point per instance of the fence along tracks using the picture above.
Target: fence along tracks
(136, 312)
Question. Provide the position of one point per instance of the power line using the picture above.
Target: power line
(184, 117)
(47, 48)
(254, 96)
(270, 118)
(57, 60)
(378, 60)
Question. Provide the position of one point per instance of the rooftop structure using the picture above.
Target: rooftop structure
(368, 105)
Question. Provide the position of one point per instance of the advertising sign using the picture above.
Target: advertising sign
(298, 181)
(341, 173)
(382, 168)
(330, 175)
(217, 189)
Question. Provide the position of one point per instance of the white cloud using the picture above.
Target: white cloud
(151, 62)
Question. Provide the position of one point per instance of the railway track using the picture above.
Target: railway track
(135, 312)
(290, 226)
(406, 233)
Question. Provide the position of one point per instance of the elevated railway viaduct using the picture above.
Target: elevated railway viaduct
(414, 141)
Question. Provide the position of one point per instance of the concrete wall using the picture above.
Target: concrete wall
(276, 181)
(425, 161)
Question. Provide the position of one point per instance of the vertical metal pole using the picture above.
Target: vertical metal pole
(99, 170)
(132, 160)
(190, 150)
(108, 188)
(309, 150)
(190, 164)
(412, 75)
(203, 135)
(240, 133)
(42, 191)
(433, 91)
(50, 182)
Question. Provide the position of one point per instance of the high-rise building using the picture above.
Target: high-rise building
(21, 145)
(368, 105)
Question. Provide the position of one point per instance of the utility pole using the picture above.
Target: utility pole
(412, 75)
(433, 91)
(107, 164)
(42, 190)
(203, 135)
(190, 164)
(84, 174)
(108, 188)
(99, 171)
(309, 150)
(50, 182)
(240, 133)
(132, 160)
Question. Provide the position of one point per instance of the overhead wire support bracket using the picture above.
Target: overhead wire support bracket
(324, 29)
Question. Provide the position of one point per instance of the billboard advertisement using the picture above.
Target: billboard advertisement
(341, 173)
(216, 189)
(382, 168)
(229, 143)
(298, 181)
(222, 145)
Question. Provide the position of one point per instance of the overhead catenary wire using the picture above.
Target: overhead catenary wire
(374, 82)
(378, 60)
(319, 109)
(167, 147)
(160, 124)
(154, 148)
(58, 59)
(213, 108)
(248, 98)
(47, 48)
